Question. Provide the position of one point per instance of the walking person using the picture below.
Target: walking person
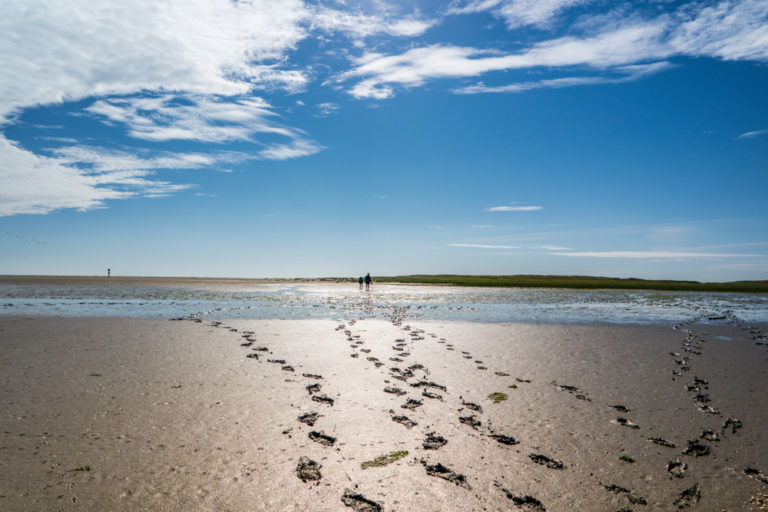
(368, 281)
(360, 282)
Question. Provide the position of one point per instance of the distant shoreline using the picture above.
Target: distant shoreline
(511, 281)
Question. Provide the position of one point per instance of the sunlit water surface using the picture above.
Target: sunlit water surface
(341, 302)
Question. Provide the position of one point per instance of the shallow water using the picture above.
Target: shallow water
(341, 301)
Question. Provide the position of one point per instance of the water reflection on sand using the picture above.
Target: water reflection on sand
(340, 300)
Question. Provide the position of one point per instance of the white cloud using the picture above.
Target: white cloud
(326, 109)
(482, 226)
(202, 118)
(294, 149)
(484, 246)
(555, 248)
(654, 254)
(621, 47)
(634, 72)
(517, 13)
(35, 184)
(731, 30)
(358, 24)
(753, 134)
(211, 52)
(513, 208)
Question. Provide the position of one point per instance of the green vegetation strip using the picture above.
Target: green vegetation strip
(626, 458)
(81, 468)
(580, 282)
(498, 397)
(384, 459)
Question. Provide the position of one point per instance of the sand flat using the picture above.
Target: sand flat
(172, 415)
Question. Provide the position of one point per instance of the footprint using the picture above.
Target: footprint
(696, 449)
(470, 420)
(689, 497)
(404, 420)
(359, 503)
(433, 442)
(412, 404)
(677, 468)
(323, 399)
(308, 469)
(501, 438)
(322, 438)
(546, 461)
(309, 418)
(445, 473)
(525, 502)
(662, 442)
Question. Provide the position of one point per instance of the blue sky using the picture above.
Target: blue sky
(289, 138)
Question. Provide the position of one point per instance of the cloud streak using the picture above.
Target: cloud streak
(653, 254)
(485, 246)
(513, 209)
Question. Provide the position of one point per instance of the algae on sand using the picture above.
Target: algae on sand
(498, 397)
(384, 459)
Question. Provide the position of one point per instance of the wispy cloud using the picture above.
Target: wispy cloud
(753, 134)
(485, 246)
(202, 118)
(555, 248)
(734, 30)
(513, 208)
(326, 109)
(517, 13)
(654, 254)
(627, 74)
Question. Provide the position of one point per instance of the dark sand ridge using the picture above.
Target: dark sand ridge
(229, 437)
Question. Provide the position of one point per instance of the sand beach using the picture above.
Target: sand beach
(210, 413)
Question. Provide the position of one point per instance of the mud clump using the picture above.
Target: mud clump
(308, 469)
(311, 376)
(434, 396)
(313, 388)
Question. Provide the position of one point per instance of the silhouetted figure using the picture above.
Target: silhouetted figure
(360, 282)
(109, 271)
(368, 281)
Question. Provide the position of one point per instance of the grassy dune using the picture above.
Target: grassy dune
(582, 282)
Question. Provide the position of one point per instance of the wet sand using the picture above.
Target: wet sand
(134, 414)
